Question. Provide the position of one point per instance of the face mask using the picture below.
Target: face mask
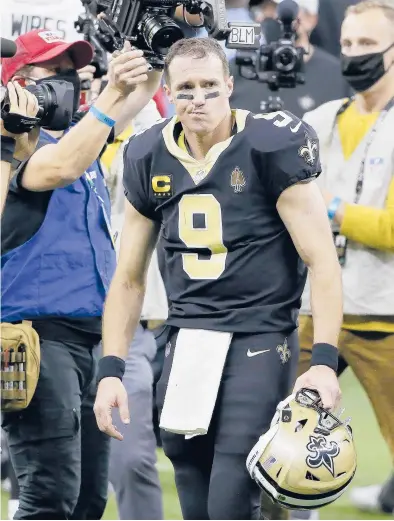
(362, 72)
(72, 77)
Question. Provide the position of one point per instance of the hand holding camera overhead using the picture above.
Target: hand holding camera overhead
(65, 161)
(149, 25)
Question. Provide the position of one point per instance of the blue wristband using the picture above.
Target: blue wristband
(333, 207)
(102, 117)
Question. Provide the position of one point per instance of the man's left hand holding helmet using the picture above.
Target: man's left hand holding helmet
(58, 258)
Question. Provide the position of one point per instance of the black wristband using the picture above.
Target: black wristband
(111, 366)
(325, 354)
(8, 145)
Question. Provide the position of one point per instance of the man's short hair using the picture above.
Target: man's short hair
(197, 48)
(387, 7)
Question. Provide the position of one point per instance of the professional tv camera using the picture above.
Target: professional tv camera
(149, 25)
(278, 63)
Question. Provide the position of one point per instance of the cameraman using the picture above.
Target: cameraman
(323, 78)
(58, 259)
(16, 146)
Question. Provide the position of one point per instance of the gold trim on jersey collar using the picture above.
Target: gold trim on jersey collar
(199, 169)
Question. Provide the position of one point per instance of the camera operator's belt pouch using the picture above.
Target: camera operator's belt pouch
(20, 365)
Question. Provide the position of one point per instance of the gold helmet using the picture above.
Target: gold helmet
(307, 458)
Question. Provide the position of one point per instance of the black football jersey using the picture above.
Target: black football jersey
(230, 264)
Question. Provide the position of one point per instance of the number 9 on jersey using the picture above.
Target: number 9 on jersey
(200, 226)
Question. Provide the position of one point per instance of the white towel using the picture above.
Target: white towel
(194, 381)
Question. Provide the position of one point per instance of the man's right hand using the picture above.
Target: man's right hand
(127, 70)
(111, 393)
(24, 103)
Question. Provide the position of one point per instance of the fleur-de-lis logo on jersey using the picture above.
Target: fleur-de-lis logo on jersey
(237, 180)
(309, 151)
(284, 351)
(322, 453)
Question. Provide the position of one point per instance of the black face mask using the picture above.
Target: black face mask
(72, 77)
(362, 72)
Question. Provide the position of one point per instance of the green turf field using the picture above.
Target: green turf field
(373, 460)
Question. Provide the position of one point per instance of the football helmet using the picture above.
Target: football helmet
(307, 458)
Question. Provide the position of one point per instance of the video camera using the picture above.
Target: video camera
(55, 101)
(149, 25)
(279, 63)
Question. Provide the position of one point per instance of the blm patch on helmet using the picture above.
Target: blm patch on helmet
(322, 453)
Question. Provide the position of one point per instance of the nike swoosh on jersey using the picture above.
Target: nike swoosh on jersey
(254, 353)
(296, 127)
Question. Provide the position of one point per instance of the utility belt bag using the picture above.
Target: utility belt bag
(20, 365)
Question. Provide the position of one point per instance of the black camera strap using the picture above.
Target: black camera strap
(17, 123)
(370, 138)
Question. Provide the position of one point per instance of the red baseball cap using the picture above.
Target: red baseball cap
(40, 46)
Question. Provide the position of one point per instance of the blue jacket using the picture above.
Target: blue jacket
(65, 269)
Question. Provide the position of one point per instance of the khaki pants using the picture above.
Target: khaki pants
(372, 362)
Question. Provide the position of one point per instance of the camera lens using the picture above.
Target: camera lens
(44, 99)
(160, 32)
(36, 90)
(285, 59)
(55, 103)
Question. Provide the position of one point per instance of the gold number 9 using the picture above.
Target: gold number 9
(209, 237)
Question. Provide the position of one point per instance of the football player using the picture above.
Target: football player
(241, 220)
